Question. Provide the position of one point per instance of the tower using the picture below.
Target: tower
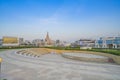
(48, 40)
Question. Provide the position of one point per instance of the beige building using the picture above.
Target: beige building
(10, 41)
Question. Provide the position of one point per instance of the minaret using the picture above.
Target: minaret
(47, 39)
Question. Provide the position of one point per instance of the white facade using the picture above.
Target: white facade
(108, 42)
(86, 43)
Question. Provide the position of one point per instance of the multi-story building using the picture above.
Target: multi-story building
(38, 42)
(108, 42)
(21, 41)
(84, 43)
(0, 42)
(27, 43)
(59, 43)
(10, 41)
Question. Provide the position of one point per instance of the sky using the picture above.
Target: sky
(67, 20)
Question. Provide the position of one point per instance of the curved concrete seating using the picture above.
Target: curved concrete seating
(28, 53)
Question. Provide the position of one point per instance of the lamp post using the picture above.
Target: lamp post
(0, 67)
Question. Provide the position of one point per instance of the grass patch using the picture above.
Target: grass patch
(110, 51)
(2, 50)
(64, 48)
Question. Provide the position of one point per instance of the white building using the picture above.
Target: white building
(84, 43)
(108, 42)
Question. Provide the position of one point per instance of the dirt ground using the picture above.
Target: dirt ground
(46, 51)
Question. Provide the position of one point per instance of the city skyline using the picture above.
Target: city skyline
(64, 19)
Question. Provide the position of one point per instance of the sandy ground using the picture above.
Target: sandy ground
(46, 51)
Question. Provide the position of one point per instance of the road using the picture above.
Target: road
(54, 67)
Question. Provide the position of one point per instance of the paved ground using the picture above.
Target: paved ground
(54, 67)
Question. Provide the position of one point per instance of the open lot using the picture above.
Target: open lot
(46, 50)
(54, 67)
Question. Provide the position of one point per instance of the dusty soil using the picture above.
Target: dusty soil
(38, 51)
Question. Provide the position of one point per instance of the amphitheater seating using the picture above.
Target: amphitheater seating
(28, 53)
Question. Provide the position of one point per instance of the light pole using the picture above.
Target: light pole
(0, 67)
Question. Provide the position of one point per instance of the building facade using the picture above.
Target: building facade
(84, 43)
(10, 41)
(38, 42)
(21, 41)
(108, 42)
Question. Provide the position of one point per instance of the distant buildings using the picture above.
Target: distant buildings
(103, 42)
(38, 42)
(8, 41)
(15, 41)
(59, 43)
(27, 43)
(47, 42)
(108, 42)
(84, 43)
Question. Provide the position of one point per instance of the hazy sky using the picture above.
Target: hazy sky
(63, 19)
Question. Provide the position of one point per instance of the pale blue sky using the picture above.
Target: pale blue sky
(63, 19)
